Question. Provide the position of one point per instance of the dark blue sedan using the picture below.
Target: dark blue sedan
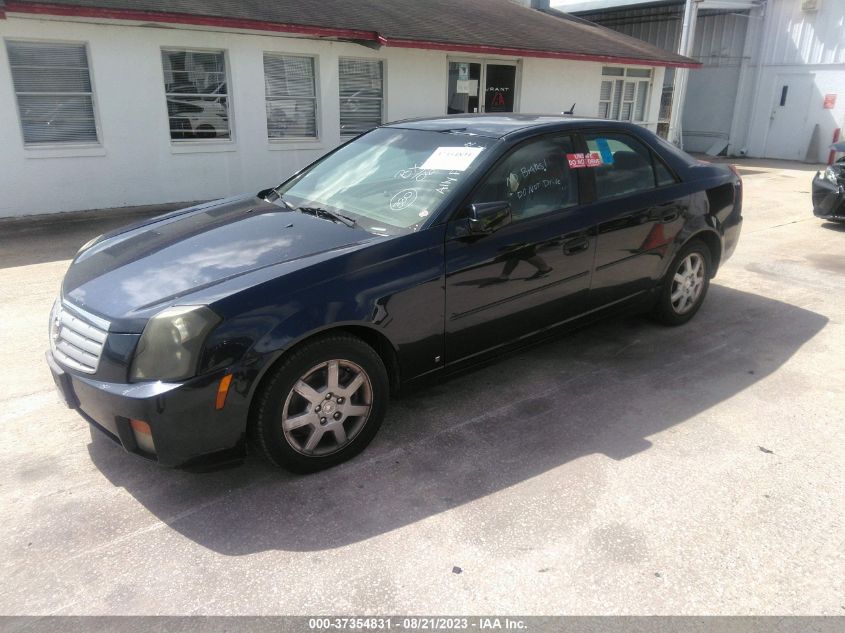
(285, 320)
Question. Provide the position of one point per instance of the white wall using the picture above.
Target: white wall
(137, 163)
(787, 40)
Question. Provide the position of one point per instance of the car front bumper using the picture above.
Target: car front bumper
(828, 199)
(187, 429)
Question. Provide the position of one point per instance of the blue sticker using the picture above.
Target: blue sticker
(604, 150)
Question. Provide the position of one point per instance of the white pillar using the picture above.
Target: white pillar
(682, 74)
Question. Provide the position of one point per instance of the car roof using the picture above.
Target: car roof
(501, 125)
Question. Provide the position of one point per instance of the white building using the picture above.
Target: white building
(123, 102)
(773, 78)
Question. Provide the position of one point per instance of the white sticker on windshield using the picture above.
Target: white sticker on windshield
(451, 158)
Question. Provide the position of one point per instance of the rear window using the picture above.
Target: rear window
(627, 165)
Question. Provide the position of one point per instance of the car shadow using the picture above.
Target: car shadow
(608, 389)
(834, 226)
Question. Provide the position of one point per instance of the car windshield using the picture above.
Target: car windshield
(389, 180)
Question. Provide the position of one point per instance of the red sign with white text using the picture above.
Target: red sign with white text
(829, 102)
(579, 161)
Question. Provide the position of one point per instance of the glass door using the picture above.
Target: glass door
(482, 86)
(464, 82)
(499, 87)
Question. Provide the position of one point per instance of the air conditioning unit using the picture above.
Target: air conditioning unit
(809, 6)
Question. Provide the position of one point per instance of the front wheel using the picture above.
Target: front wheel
(322, 405)
(685, 285)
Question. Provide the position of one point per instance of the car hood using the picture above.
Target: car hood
(155, 263)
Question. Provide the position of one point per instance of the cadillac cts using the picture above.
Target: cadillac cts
(285, 320)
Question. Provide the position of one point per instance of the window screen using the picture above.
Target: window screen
(361, 95)
(291, 96)
(624, 99)
(197, 94)
(53, 89)
(535, 178)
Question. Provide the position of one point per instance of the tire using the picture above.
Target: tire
(693, 287)
(308, 415)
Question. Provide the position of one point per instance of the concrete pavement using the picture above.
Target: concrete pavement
(625, 469)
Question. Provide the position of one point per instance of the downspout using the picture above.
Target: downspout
(682, 74)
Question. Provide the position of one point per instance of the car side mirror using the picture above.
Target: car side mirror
(487, 217)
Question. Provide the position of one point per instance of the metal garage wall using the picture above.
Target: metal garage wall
(711, 91)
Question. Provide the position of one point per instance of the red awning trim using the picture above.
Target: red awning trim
(47, 9)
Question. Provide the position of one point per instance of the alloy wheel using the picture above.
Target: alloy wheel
(688, 283)
(327, 407)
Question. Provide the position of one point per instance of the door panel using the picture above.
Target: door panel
(634, 239)
(464, 87)
(499, 87)
(531, 274)
(636, 221)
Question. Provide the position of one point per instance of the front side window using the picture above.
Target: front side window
(627, 166)
(535, 178)
(624, 93)
(391, 180)
(53, 88)
(291, 96)
(197, 94)
(361, 83)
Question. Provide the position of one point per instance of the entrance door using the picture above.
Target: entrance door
(481, 86)
(788, 137)
(499, 87)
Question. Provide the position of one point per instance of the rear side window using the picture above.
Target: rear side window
(662, 174)
(535, 178)
(628, 166)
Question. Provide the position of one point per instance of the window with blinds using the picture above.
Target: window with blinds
(197, 95)
(361, 95)
(53, 88)
(291, 96)
(624, 93)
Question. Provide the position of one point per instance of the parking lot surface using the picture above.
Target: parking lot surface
(624, 469)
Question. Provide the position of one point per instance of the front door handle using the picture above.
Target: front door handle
(576, 245)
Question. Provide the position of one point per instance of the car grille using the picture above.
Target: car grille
(77, 338)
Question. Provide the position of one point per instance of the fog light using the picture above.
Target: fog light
(143, 435)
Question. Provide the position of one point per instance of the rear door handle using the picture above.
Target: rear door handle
(576, 245)
(663, 214)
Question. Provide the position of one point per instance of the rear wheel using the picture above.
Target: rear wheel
(685, 285)
(322, 405)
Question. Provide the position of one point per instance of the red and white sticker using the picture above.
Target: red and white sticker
(579, 161)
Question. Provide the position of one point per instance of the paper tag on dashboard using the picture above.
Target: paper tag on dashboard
(451, 158)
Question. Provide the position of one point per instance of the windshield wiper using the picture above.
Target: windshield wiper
(328, 215)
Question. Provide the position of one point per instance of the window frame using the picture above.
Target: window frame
(618, 82)
(351, 135)
(581, 178)
(318, 108)
(189, 145)
(58, 149)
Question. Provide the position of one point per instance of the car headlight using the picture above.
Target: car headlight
(171, 343)
(831, 175)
